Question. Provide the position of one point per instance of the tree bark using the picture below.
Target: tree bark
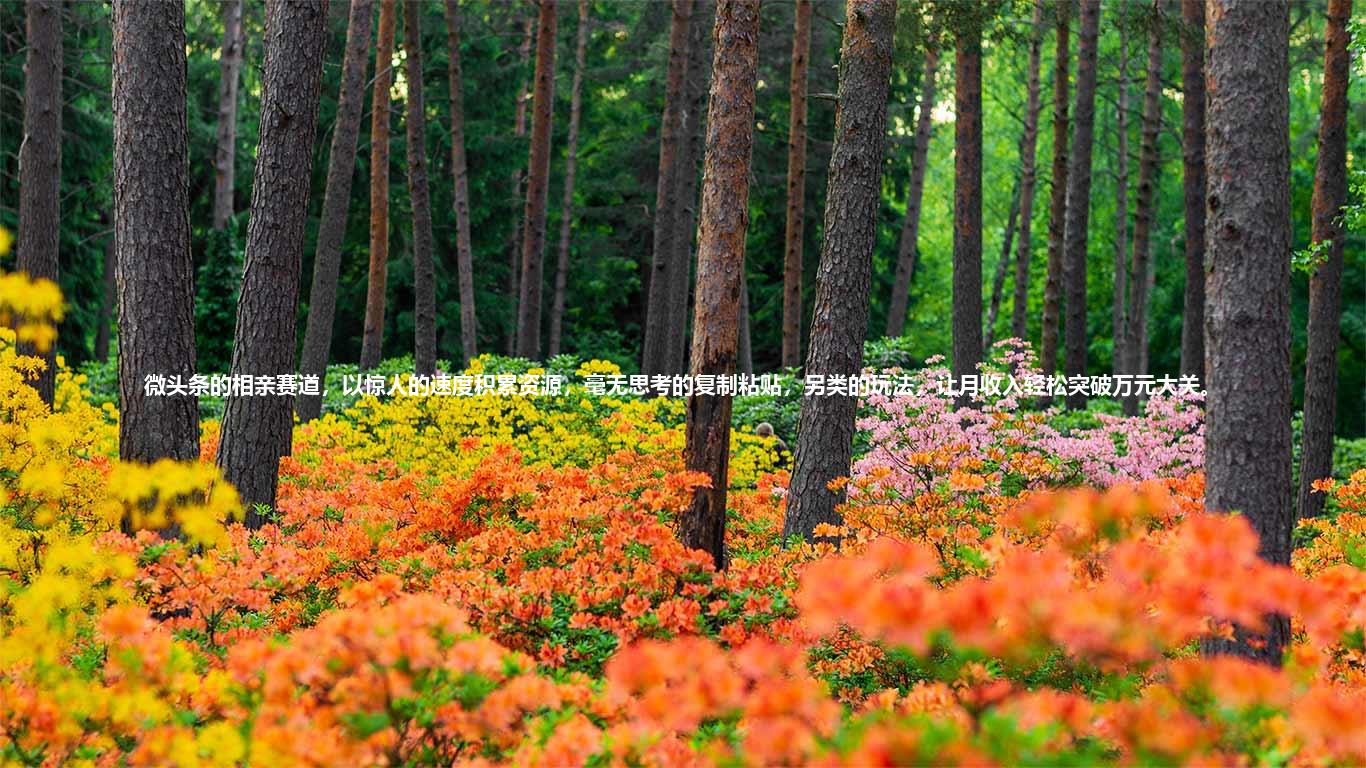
(155, 272)
(256, 429)
(518, 177)
(1193, 174)
(464, 252)
(1028, 177)
(840, 314)
(1078, 197)
(322, 294)
(1325, 282)
(720, 266)
(967, 204)
(570, 164)
(659, 318)
(998, 281)
(1057, 206)
(40, 164)
(907, 249)
(1136, 322)
(108, 294)
(372, 340)
(1118, 313)
(538, 187)
(794, 234)
(225, 156)
(419, 193)
(1247, 323)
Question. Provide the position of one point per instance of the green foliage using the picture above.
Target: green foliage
(215, 306)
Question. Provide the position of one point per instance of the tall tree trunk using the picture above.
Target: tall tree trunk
(1247, 323)
(1118, 310)
(998, 281)
(464, 252)
(341, 165)
(518, 178)
(720, 266)
(1057, 205)
(570, 162)
(372, 340)
(967, 203)
(424, 268)
(40, 163)
(1028, 177)
(690, 153)
(907, 249)
(256, 428)
(538, 187)
(1136, 323)
(108, 292)
(744, 348)
(658, 317)
(152, 230)
(794, 235)
(1078, 198)
(840, 315)
(225, 156)
(1325, 283)
(1193, 175)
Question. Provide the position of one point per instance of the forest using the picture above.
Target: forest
(682, 382)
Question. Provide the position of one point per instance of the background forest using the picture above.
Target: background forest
(625, 64)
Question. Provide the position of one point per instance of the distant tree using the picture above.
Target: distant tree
(661, 312)
(1193, 183)
(571, 157)
(1247, 323)
(1325, 281)
(464, 251)
(108, 293)
(1119, 299)
(1136, 322)
(322, 295)
(519, 178)
(256, 429)
(1028, 176)
(538, 186)
(372, 340)
(419, 195)
(1078, 196)
(998, 280)
(967, 200)
(720, 265)
(225, 155)
(744, 355)
(840, 314)
(794, 235)
(1057, 206)
(40, 163)
(152, 230)
(907, 249)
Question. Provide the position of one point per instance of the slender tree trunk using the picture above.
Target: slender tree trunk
(720, 266)
(1118, 313)
(1193, 173)
(372, 340)
(322, 294)
(1136, 323)
(658, 317)
(464, 252)
(40, 164)
(744, 350)
(1057, 206)
(998, 281)
(424, 267)
(1028, 177)
(538, 187)
(518, 178)
(225, 156)
(840, 314)
(685, 212)
(570, 163)
(256, 428)
(908, 249)
(1247, 325)
(108, 293)
(794, 235)
(967, 204)
(1078, 197)
(155, 272)
(1325, 283)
